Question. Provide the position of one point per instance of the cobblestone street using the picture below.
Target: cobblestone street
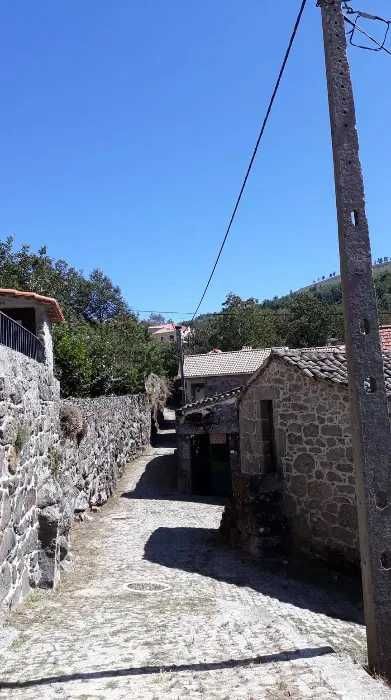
(155, 607)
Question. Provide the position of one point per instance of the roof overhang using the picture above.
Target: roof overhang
(53, 308)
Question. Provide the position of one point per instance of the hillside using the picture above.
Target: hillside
(309, 317)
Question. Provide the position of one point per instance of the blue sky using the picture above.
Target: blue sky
(126, 128)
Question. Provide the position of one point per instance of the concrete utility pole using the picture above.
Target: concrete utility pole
(369, 415)
(178, 330)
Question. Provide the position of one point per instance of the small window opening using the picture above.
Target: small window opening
(381, 500)
(364, 326)
(370, 385)
(385, 560)
(354, 217)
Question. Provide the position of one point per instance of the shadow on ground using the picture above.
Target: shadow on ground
(200, 550)
(159, 482)
(307, 653)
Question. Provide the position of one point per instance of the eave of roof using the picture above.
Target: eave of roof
(54, 311)
(232, 363)
(326, 364)
(209, 401)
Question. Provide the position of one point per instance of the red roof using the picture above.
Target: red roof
(54, 310)
(385, 335)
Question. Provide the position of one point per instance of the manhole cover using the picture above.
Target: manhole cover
(147, 587)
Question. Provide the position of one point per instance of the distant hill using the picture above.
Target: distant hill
(333, 279)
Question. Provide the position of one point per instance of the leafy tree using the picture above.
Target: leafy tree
(102, 348)
(308, 321)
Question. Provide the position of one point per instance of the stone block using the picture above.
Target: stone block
(320, 489)
(298, 486)
(304, 463)
(331, 430)
(295, 439)
(348, 516)
(333, 477)
(7, 543)
(342, 535)
(336, 454)
(345, 467)
(311, 430)
(8, 430)
(49, 493)
(5, 581)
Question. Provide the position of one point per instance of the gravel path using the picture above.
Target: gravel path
(196, 622)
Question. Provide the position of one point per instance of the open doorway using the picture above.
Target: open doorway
(210, 465)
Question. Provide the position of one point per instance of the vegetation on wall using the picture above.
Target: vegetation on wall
(103, 348)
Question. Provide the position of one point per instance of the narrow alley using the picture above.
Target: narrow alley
(155, 606)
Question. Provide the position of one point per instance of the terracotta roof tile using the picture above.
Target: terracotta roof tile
(216, 364)
(330, 365)
(385, 335)
(54, 310)
(209, 401)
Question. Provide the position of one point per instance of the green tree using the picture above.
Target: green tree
(308, 321)
(102, 348)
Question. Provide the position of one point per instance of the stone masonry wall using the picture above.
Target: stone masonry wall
(47, 477)
(314, 460)
(29, 400)
(214, 385)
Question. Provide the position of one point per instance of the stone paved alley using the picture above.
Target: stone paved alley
(196, 622)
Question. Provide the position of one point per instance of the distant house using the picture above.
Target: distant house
(296, 480)
(166, 333)
(216, 371)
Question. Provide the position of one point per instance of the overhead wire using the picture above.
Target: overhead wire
(357, 28)
(255, 151)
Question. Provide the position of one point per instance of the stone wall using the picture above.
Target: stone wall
(29, 400)
(213, 385)
(314, 464)
(48, 474)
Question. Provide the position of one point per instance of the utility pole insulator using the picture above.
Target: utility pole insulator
(371, 432)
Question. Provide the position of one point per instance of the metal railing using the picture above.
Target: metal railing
(15, 336)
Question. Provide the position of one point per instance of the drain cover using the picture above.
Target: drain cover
(138, 587)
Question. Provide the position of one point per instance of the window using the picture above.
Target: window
(268, 441)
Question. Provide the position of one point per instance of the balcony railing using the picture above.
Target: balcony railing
(15, 336)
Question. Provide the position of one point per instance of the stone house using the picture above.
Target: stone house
(207, 439)
(296, 484)
(35, 314)
(216, 372)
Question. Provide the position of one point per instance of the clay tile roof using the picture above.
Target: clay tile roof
(216, 364)
(54, 310)
(385, 335)
(209, 401)
(329, 364)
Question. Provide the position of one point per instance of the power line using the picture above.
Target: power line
(356, 28)
(264, 124)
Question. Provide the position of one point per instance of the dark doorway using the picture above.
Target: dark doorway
(200, 465)
(268, 441)
(220, 469)
(26, 317)
(211, 471)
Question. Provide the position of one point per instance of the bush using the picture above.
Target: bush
(72, 423)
